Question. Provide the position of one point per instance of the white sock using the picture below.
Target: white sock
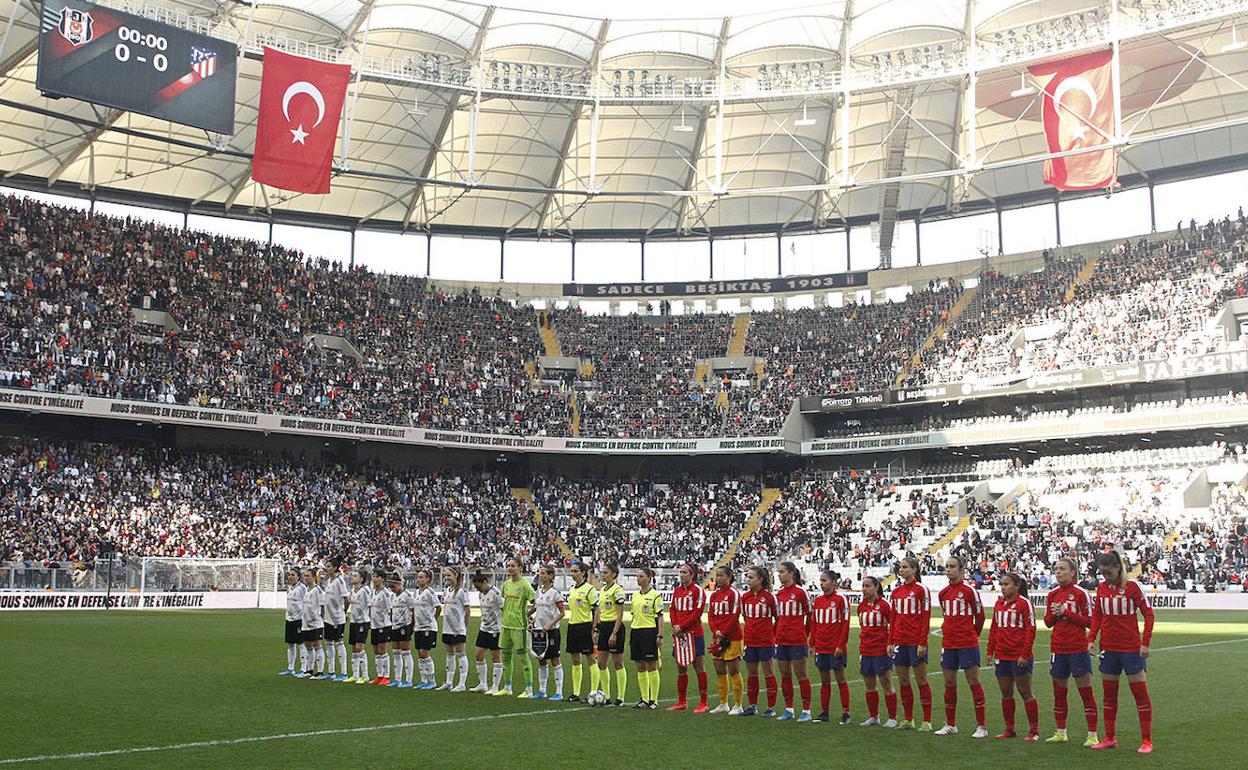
(483, 676)
(303, 658)
(342, 657)
(559, 679)
(462, 657)
(329, 658)
(451, 661)
(382, 664)
(431, 671)
(541, 677)
(292, 654)
(320, 660)
(410, 670)
(396, 665)
(498, 676)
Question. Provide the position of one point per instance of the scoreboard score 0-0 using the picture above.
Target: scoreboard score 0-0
(129, 62)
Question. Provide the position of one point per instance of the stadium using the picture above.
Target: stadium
(434, 383)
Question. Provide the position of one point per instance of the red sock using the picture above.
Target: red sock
(1089, 706)
(1144, 704)
(702, 687)
(925, 700)
(907, 701)
(873, 703)
(1110, 706)
(1032, 707)
(951, 704)
(1059, 704)
(772, 686)
(682, 686)
(1007, 711)
(825, 696)
(786, 685)
(980, 701)
(804, 688)
(890, 703)
(844, 687)
(753, 689)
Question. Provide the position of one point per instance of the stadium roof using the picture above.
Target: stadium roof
(490, 119)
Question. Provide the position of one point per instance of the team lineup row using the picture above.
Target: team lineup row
(768, 630)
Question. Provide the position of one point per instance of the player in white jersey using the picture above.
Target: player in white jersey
(455, 629)
(294, 621)
(379, 626)
(337, 594)
(491, 603)
(361, 599)
(402, 623)
(550, 608)
(312, 627)
(425, 639)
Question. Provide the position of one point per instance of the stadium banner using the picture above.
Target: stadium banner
(1210, 364)
(128, 62)
(91, 406)
(716, 288)
(98, 600)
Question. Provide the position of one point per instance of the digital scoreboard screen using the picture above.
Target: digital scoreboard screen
(120, 60)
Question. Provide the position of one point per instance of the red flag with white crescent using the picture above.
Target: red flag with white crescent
(300, 105)
(1078, 112)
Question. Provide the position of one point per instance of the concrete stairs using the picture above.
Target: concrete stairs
(740, 331)
(1081, 277)
(769, 497)
(525, 496)
(937, 332)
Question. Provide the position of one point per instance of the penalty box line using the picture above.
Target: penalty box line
(377, 728)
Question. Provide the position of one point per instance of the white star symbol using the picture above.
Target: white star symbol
(299, 135)
(1078, 131)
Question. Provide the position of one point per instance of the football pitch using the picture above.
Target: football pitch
(200, 689)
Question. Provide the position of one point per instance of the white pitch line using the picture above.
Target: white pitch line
(394, 726)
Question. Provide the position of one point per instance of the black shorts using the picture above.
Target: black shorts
(581, 638)
(425, 640)
(402, 633)
(487, 641)
(643, 644)
(604, 638)
(333, 633)
(381, 636)
(312, 634)
(294, 634)
(449, 639)
(359, 633)
(553, 641)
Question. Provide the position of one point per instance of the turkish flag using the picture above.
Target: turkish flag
(1078, 112)
(300, 105)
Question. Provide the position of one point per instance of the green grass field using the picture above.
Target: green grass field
(200, 689)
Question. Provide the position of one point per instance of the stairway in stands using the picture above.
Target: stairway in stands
(740, 331)
(550, 340)
(939, 330)
(575, 423)
(769, 497)
(525, 496)
(1086, 272)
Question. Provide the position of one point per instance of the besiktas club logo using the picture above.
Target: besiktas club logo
(76, 26)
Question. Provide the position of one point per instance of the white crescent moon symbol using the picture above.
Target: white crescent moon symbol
(1076, 83)
(304, 87)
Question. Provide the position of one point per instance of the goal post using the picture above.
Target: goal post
(259, 578)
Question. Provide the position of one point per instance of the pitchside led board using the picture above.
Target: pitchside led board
(120, 60)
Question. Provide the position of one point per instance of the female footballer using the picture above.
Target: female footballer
(758, 607)
(724, 617)
(1010, 647)
(963, 621)
(518, 596)
(402, 626)
(361, 596)
(455, 612)
(294, 624)
(1068, 611)
(491, 603)
(688, 643)
(1124, 650)
(875, 617)
(379, 627)
(549, 612)
(646, 638)
(829, 635)
(425, 637)
(792, 635)
(912, 623)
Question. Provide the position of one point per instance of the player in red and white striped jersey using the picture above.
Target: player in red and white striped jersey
(912, 624)
(1123, 648)
(829, 635)
(688, 643)
(962, 622)
(1068, 611)
(1011, 644)
(875, 616)
(723, 615)
(792, 634)
(758, 607)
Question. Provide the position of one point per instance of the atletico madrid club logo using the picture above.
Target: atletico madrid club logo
(203, 61)
(75, 26)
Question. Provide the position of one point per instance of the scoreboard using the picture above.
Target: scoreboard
(128, 62)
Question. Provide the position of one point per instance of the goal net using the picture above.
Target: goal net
(166, 574)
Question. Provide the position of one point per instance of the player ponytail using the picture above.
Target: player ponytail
(1116, 560)
(832, 575)
(792, 569)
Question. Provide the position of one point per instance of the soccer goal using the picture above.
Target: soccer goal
(259, 578)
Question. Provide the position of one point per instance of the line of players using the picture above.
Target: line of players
(778, 631)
